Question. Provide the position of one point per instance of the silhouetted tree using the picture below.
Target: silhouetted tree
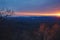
(5, 13)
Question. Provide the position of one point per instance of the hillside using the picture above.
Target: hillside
(19, 28)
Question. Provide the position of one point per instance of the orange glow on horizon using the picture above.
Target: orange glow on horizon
(37, 14)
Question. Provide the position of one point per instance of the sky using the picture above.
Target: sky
(31, 5)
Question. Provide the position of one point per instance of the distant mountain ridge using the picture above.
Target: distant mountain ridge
(34, 19)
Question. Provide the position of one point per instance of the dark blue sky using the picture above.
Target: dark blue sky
(31, 5)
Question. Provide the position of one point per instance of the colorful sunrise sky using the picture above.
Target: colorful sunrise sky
(31, 6)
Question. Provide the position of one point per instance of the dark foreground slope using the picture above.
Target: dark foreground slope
(22, 28)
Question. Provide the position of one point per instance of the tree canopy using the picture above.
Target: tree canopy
(6, 12)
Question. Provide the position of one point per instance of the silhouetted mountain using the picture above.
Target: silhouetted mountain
(34, 19)
(29, 22)
(18, 28)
